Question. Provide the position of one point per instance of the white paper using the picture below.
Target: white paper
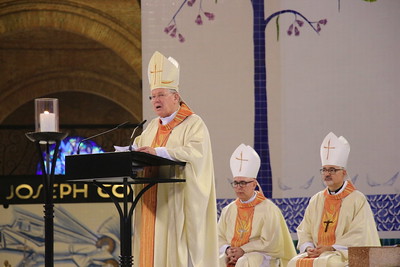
(125, 148)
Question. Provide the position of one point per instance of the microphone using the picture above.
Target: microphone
(133, 133)
(115, 128)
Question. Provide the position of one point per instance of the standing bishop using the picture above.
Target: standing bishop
(176, 223)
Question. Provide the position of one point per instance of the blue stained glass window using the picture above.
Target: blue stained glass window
(69, 146)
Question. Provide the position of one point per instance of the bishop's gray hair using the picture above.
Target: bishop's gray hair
(173, 91)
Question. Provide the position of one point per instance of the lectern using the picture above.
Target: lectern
(119, 168)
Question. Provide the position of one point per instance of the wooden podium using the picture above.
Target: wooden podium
(119, 168)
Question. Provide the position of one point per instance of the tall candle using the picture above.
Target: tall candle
(47, 122)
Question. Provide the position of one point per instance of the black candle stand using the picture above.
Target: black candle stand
(48, 139)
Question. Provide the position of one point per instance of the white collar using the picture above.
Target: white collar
(168, 119)
(251, 199)
(341, 189)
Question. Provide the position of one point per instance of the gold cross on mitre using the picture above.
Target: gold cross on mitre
(329, 147)
(154, 72)
(241, 160)
(163, 72)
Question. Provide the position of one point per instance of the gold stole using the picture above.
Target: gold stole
(149, 198)
(329, 220)
(244, 221)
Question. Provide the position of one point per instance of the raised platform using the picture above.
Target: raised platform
(374, 256)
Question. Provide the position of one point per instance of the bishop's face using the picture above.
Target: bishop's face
(333, 176)
(244, 187)
(164, 102)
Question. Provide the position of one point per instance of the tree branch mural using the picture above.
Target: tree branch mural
(172, 28)
(384, 206)
(261, 143)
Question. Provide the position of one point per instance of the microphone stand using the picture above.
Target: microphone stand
(133, 133)
(96, 135)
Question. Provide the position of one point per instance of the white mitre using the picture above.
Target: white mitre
(334, 151)
(163, 72)
(245, 162)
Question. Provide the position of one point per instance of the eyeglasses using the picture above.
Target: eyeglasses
(160, 96)
(330, 170)
(241, 183)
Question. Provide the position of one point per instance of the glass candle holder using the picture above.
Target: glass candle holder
(46, 115)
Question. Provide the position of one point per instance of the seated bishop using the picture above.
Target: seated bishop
(252, 230)
(338, 216)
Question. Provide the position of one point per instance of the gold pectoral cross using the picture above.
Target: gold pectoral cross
(244, 227)
(242, 231)
(327, 222)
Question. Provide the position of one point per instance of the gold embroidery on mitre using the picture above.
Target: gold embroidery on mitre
(329, 147)
(163, 72)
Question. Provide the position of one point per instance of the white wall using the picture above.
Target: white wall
(216, 71)
(344, 80)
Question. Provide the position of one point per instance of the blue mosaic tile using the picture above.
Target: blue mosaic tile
(385, 208)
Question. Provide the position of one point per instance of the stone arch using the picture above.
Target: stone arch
(16, 16)
(102, 84)
(82, 20)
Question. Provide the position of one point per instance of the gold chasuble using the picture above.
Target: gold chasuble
(328, 224)
(244, 221)
(149, 198)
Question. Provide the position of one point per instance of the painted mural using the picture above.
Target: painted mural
(75, 243)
